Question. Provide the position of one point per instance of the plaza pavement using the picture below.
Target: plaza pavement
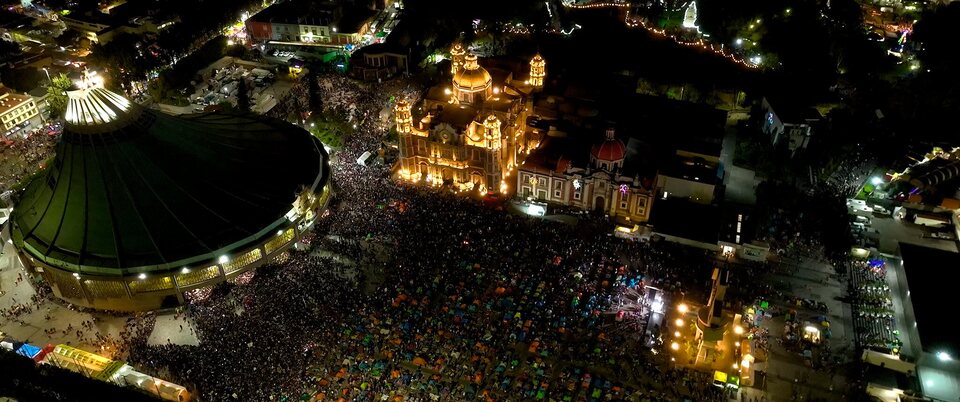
(786, 370)
(56, 315)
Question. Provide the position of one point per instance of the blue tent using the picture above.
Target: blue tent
(28, 350)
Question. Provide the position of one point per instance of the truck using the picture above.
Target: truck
(931, 220)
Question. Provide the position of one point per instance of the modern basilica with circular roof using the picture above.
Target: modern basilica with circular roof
(139, 207)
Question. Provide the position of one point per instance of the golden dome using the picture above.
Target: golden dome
(472, 77)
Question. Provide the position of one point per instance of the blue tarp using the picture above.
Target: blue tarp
(28, 350)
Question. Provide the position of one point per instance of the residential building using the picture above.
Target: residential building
(16, 112)
(378, 61)
(693, 175)
(98, 27)
(922, 278)
(788, 122)
(321, 23)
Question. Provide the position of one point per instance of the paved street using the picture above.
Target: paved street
(741, 183)
(893, 230)
(787, 372)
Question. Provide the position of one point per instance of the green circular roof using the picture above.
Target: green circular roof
(135, 190)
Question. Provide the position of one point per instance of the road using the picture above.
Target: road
(891, 230)
(787, 372)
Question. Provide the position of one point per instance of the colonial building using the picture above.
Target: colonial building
(15, 112)
(378, 61)
(310, 23)
(468, 134)
(560, 171)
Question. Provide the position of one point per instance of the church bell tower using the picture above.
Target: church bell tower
(538, 71)
(403, 117)
(456, 58)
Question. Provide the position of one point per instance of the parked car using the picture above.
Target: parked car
(881, 210)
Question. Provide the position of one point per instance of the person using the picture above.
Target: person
(415, 292)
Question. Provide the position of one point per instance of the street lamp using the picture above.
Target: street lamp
(876, 181)
(738, 330)
(944, 356)
(48, 75)
(683, 308)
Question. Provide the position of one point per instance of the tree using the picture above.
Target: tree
(9, 48)
(69, 37)
(57, 94)
(937, 31)
(243, 98)
(123, 58)
(313, 89)
(160, 87)
(22, 79)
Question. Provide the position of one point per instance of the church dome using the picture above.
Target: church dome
(611, 149)
(472, 77)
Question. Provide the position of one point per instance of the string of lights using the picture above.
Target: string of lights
(636, 22)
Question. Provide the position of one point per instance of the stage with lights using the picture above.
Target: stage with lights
(640, 309)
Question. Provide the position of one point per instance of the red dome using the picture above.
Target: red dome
(609, 150)
(562, 164)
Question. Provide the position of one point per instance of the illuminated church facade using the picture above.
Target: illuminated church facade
(470, 133)
(561, 171)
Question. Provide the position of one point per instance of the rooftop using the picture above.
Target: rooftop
(686, 219)
(298, 12)
(380, 48)
(790, 111)
(10, 100)
(663, 124)
(693, 169)
(354, 18)
(145, 191)
(456, 116)
(554, 149)
(932, 276)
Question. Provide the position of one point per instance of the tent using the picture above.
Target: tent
(9, 344)
(362, 160)
(29, 350)
(259, 72)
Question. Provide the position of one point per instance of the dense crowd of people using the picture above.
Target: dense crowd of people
(847, 177)
(21, 157)
(873, 314)
(467, 301)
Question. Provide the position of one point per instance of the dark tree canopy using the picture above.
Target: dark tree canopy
(8, 48)
(937, 30)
